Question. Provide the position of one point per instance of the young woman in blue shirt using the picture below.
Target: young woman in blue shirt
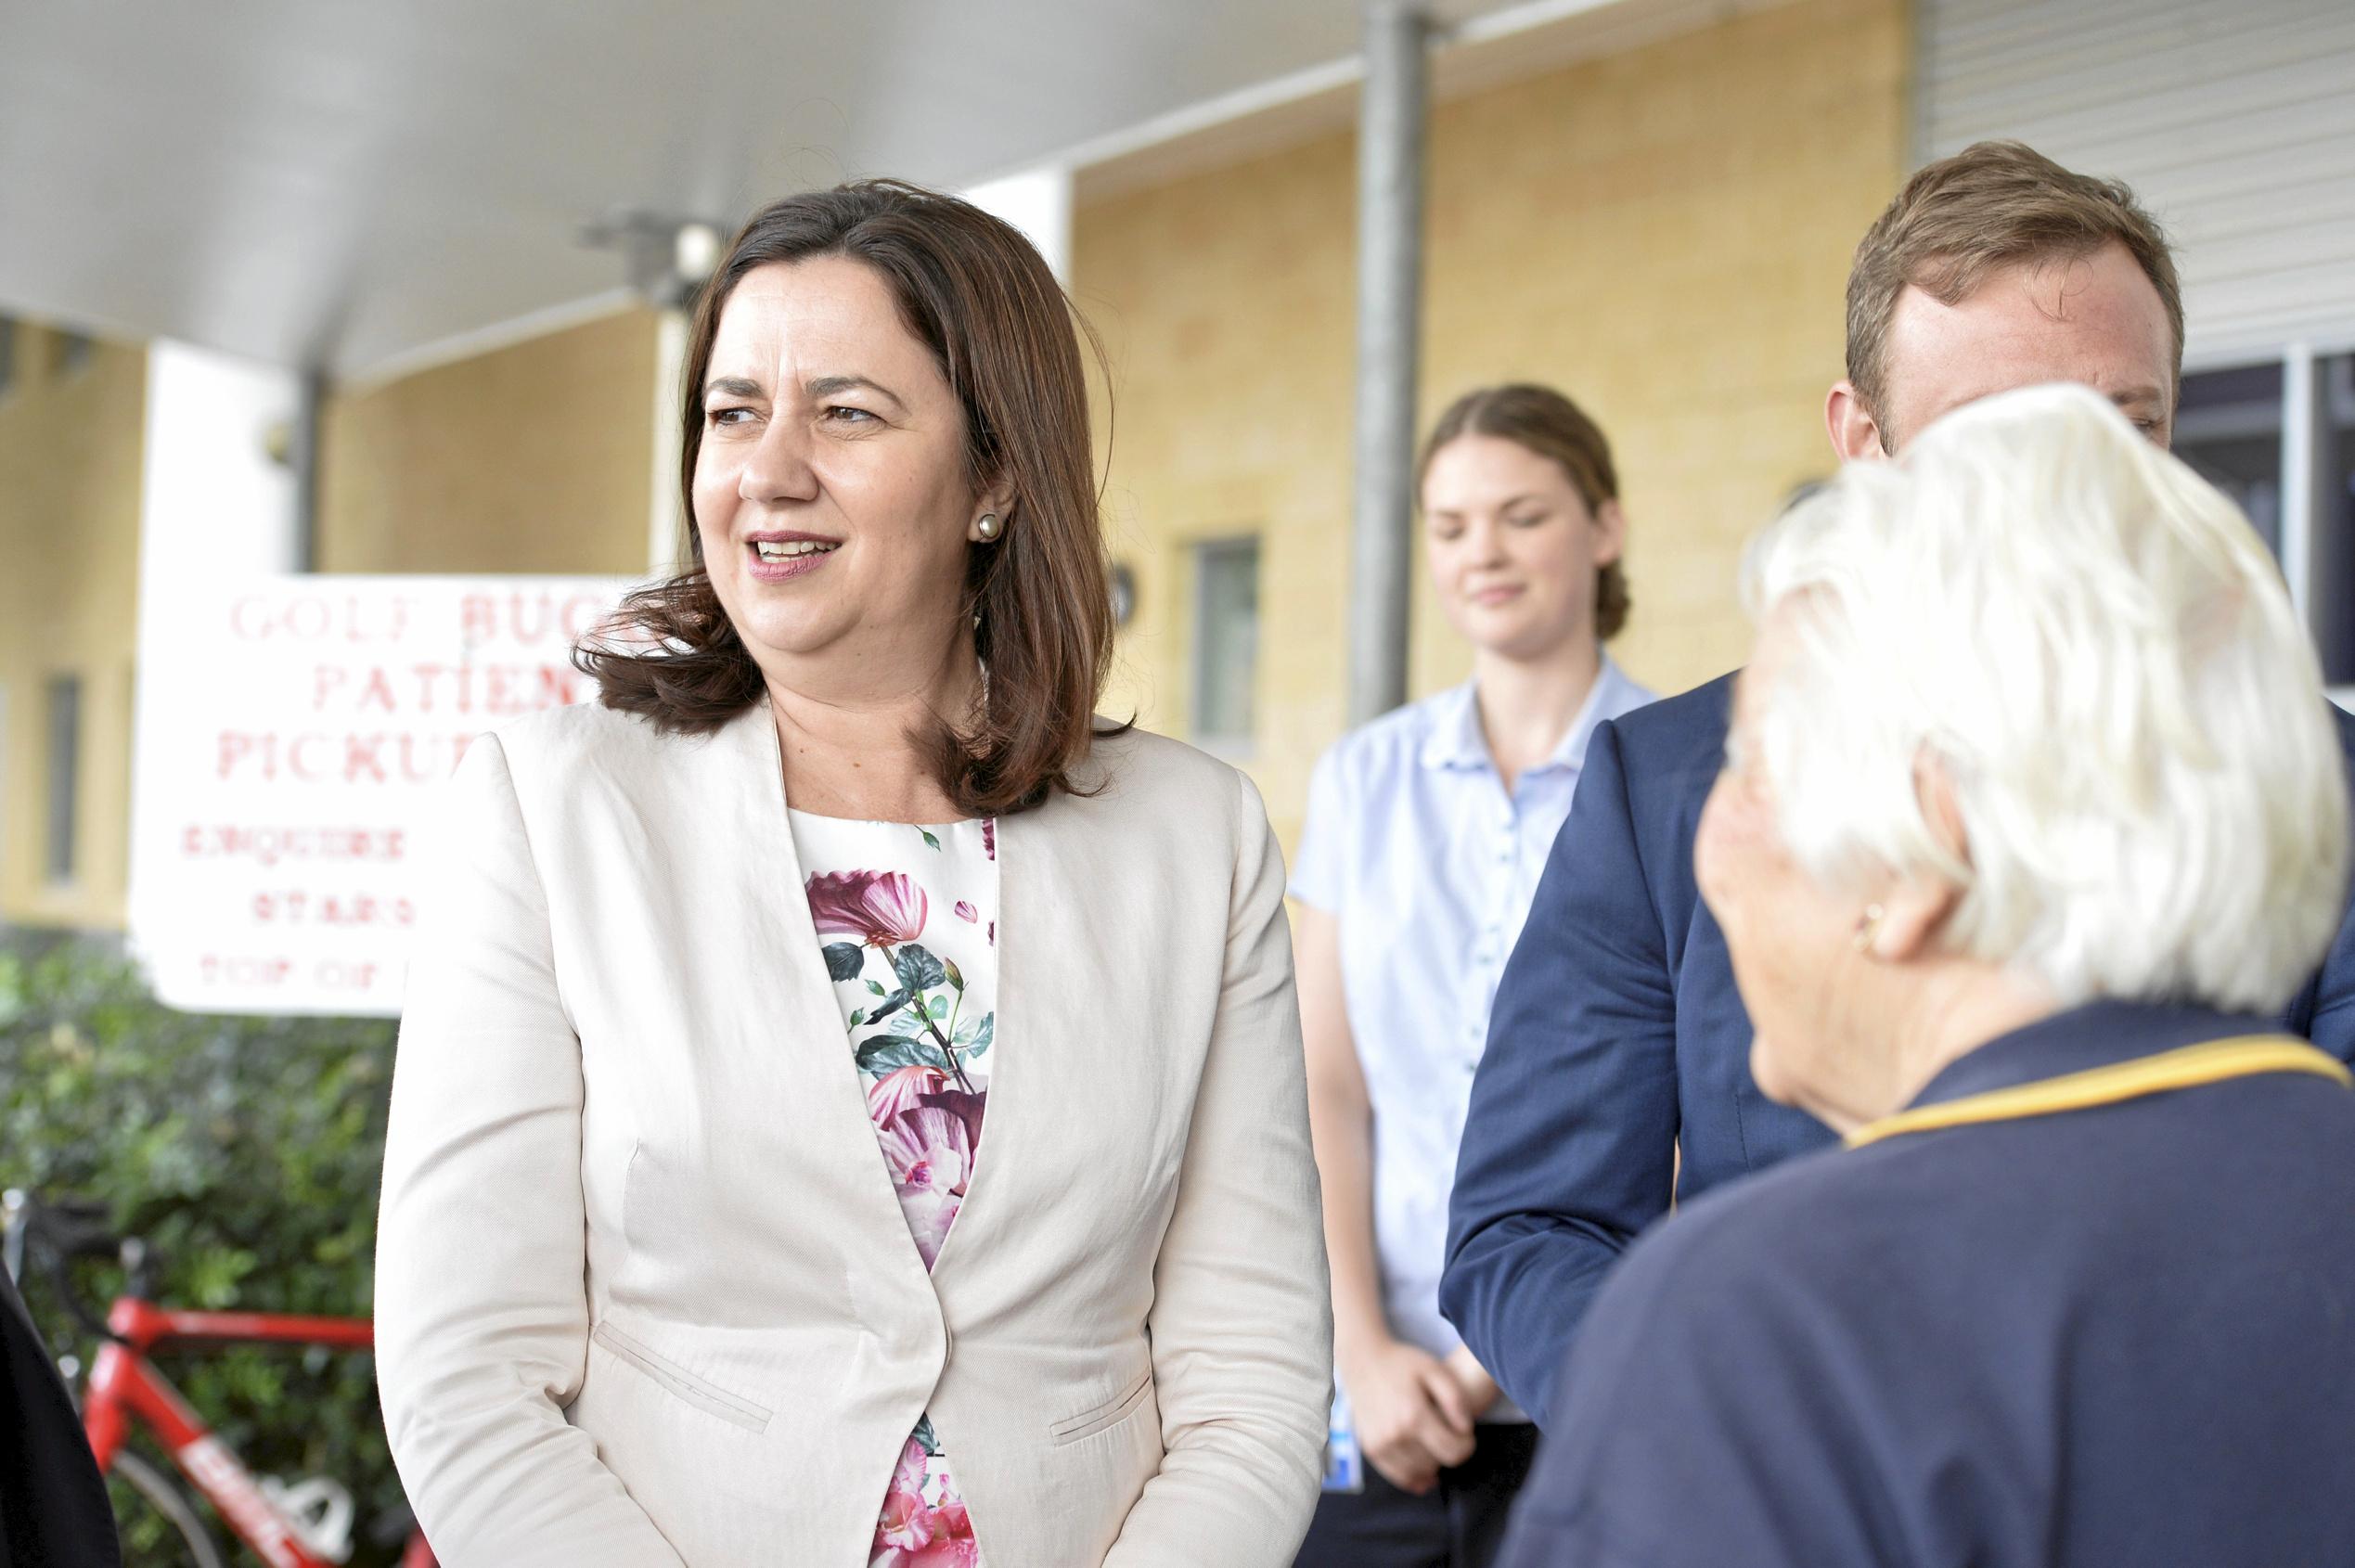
(1426, 832)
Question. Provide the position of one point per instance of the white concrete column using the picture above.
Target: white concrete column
(1037, 203)
(214, 499)
(214, 506)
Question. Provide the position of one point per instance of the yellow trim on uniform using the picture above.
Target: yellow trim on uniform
(2190, 1066)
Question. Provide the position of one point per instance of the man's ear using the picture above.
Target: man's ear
(1856, 435)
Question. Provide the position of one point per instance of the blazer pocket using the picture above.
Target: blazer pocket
(1108, 1415)
(707, 1397)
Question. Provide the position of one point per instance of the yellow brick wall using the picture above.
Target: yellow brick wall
(70, 444)
(536, 457)
(1664, 233)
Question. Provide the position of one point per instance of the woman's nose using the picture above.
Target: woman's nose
(779, 467)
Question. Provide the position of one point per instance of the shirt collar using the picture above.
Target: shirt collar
(1456, 741)
(2096, 1034)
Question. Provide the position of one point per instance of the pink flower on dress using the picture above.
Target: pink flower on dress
(989, 838)
(914, 1533)
(881, 909)
(929, 1148)
(906, 1523)
(902, 1089)
(967, 913)
(953, 1544)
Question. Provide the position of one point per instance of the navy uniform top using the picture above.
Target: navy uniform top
(2120, 1335)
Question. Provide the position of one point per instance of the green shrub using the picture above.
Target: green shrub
(246, 1151)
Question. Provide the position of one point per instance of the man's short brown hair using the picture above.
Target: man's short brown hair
(1992, 205)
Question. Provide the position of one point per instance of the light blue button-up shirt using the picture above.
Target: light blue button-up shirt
(1429, 867)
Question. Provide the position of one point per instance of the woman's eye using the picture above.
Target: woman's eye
(729, 416)
(1530, 520)
(843, 414)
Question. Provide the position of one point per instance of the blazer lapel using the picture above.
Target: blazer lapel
(784, 1002)
(1077, 1100)
(995, 1204)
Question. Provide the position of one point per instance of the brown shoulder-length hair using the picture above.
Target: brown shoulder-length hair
(1551, 426)
(981, 298)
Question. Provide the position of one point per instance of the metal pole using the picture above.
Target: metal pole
(1390, 156)
(667, 550)
(673, 262)
(302, 459)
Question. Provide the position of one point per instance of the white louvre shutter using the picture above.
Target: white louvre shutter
(2234, 121)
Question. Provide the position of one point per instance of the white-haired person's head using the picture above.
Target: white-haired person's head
(2031, 722)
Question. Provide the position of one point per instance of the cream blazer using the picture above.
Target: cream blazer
(644, 1294)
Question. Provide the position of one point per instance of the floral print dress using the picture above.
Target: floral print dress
(908, 919)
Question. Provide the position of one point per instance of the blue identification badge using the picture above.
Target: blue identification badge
(1345, 1466)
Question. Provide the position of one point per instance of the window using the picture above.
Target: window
(2229, 428)
(1226, 642)
(2279, 438)
(65, 776)
(2333, 580)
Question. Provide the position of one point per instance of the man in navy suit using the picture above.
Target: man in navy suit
(1617, 1043)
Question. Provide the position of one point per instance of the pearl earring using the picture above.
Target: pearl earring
(1868, 930)
(987, 527)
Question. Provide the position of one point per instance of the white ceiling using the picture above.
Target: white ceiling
(339, 183)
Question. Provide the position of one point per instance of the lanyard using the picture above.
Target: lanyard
(2187, 1068)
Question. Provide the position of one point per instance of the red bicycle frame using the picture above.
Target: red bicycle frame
(125, 1387)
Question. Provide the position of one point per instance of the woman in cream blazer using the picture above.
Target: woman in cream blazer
(645, 1295)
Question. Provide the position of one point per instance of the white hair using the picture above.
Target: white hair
(2091, 646)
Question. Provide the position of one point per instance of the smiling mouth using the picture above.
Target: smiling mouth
(791, 550)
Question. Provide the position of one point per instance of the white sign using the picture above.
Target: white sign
(292, 732)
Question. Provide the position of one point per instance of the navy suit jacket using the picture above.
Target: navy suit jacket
(1617, 1043)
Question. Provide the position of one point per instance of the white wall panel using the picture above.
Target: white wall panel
(2235, 122)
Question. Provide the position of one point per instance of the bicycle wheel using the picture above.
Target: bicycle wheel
(168, 1529)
